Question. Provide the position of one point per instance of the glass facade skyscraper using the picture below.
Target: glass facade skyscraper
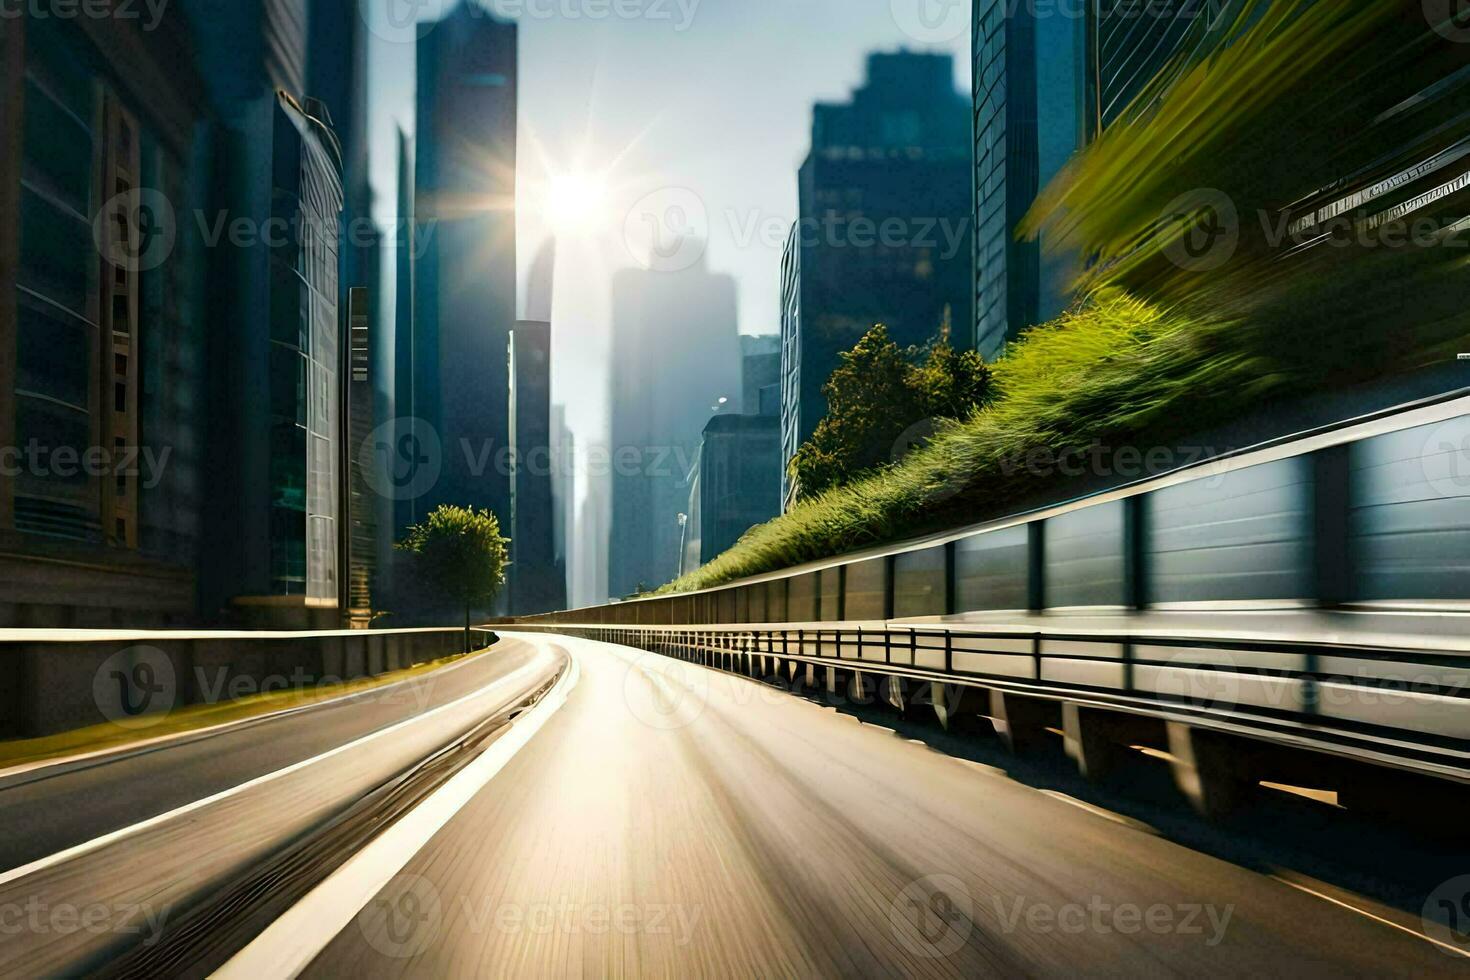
(885, 229)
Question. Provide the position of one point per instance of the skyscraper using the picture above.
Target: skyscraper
(1133, 40)
(885, 229)
(1044, 85)
(274, 551)
(102, 337)
(465, 282)
(1030, 107)
(537, 585)
(676, 354)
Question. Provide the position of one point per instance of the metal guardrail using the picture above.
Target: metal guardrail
(1408, 709)
(1374, 510)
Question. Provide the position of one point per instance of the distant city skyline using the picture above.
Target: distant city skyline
(610, 116)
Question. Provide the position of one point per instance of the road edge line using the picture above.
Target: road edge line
(112, 837)
(25, 773)
(290, 943)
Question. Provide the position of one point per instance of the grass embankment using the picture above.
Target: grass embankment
(193, 718)
(1162, 346)
(1117, 367)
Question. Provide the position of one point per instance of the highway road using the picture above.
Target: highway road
(50, 808)
(670, 820)
(112, 855)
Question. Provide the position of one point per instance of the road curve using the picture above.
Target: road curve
(62, 805)
(670, 820)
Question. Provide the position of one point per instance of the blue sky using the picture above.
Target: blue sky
(623, 99)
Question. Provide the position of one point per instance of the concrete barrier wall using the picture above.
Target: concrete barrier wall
(74, 679)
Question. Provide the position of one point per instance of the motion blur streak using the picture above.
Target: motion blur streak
(702, 824)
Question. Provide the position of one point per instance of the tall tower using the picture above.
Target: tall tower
(465, 283)
(884, 234)
(676, 353)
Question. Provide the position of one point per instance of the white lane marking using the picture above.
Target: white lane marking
(10, 777)
(86, 847)
(289, 944)
(1448, 947)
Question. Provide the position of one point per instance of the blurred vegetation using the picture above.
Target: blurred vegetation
(1282, 212)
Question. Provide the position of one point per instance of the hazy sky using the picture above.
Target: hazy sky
(632, 108)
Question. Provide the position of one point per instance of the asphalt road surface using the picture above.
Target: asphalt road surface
(671, 820)
(57, 807)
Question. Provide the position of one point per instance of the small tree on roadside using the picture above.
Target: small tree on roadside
(460, 552)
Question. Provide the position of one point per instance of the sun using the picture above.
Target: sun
(576, 204)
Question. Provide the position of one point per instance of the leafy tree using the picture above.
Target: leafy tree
(460, 552)
(882, 401)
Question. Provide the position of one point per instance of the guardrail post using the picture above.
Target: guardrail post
(1135, 551)
(1036, 566)
(1331, 531)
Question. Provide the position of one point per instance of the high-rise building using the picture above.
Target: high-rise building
(885, 229)
(1044, 85)
(1133, 40)
(1030, 103)
(760, 366)
(274, 553)
(102, 332)
(676, 355)
(465, 282)
(537, 585)
(739, 479)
